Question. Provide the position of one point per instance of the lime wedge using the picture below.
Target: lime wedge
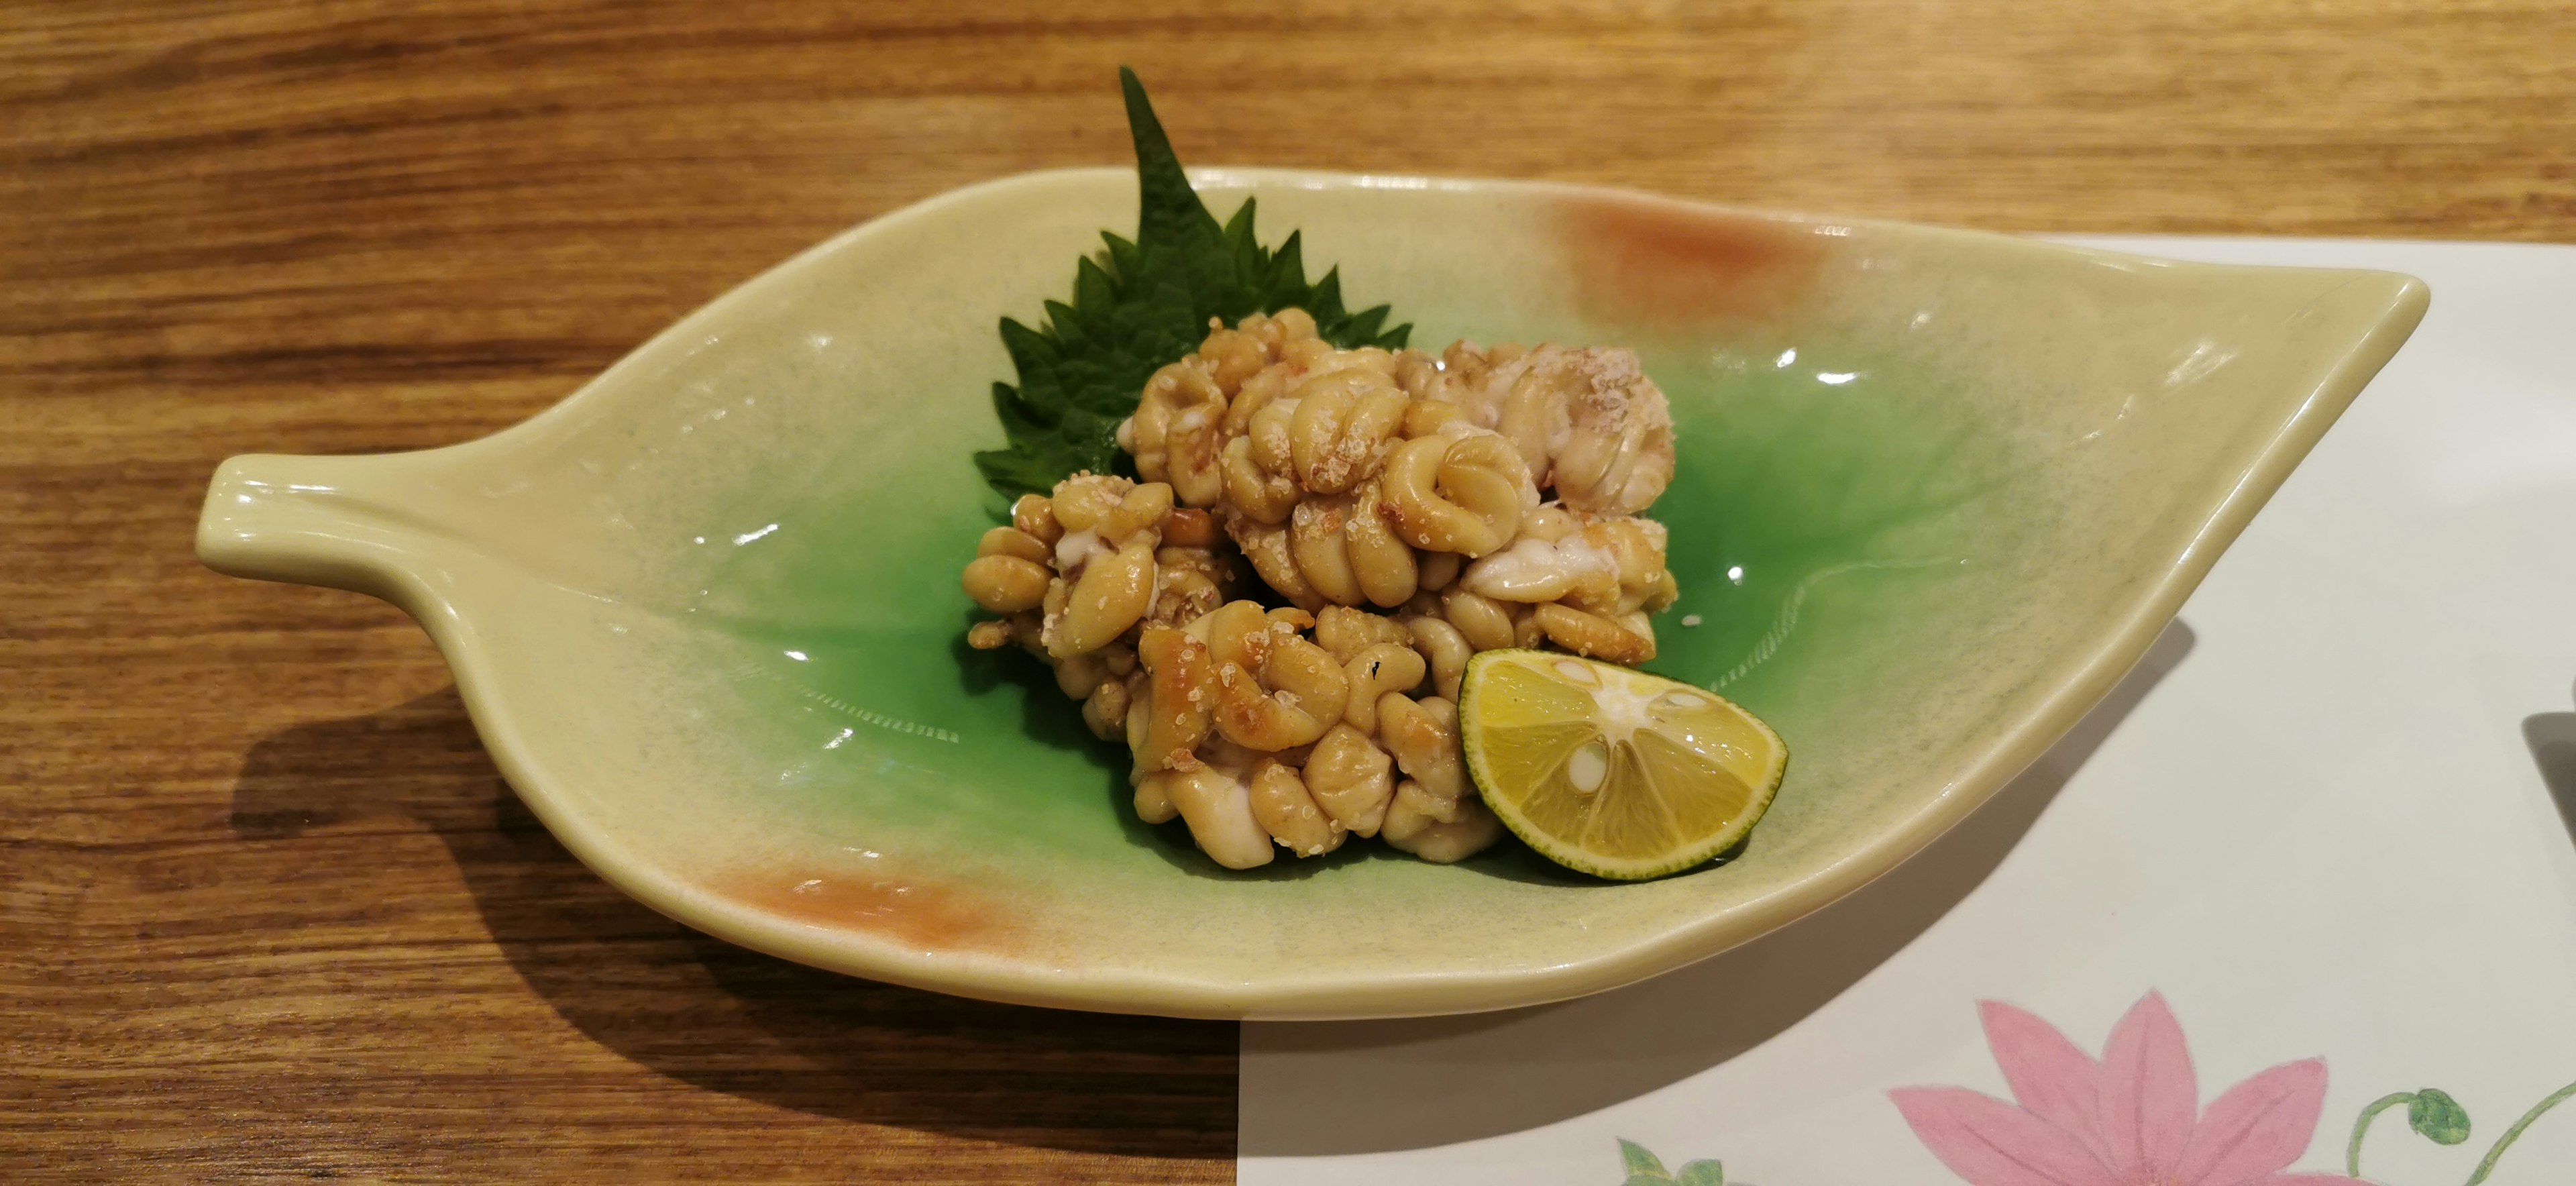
(1610, 771)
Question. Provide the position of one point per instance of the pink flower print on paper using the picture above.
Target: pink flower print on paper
(2132, 1119)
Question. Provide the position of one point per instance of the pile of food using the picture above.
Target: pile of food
(1276, 615)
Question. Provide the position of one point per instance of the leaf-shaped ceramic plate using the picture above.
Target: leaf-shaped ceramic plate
(1938, 490)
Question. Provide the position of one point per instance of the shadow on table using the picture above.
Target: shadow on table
(1376, 1086)
(727, 1019)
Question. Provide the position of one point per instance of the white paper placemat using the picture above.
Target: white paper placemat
(2311, 848)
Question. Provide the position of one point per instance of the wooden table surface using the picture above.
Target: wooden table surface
(266, 910)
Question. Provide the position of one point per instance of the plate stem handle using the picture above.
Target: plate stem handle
(307, 521)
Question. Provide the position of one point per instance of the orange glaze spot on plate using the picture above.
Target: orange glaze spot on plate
(1677, 267)
(923, 913)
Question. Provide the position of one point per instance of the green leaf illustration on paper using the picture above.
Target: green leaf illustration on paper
(1641, 1162)
(2438, 1117)
(1701, 1173)
(1646, 1169)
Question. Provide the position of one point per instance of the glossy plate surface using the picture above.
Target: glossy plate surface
(1937, 491)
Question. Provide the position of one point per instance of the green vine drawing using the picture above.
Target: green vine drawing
(2438, 1118)
(1646, 1169)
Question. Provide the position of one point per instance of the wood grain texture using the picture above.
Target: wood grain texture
(266, 911)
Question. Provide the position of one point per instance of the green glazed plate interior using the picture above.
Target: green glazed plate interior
(1937, 491)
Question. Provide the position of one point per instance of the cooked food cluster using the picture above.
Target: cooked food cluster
(1408, 511)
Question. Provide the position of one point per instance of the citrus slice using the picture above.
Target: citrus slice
(1614, 772)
